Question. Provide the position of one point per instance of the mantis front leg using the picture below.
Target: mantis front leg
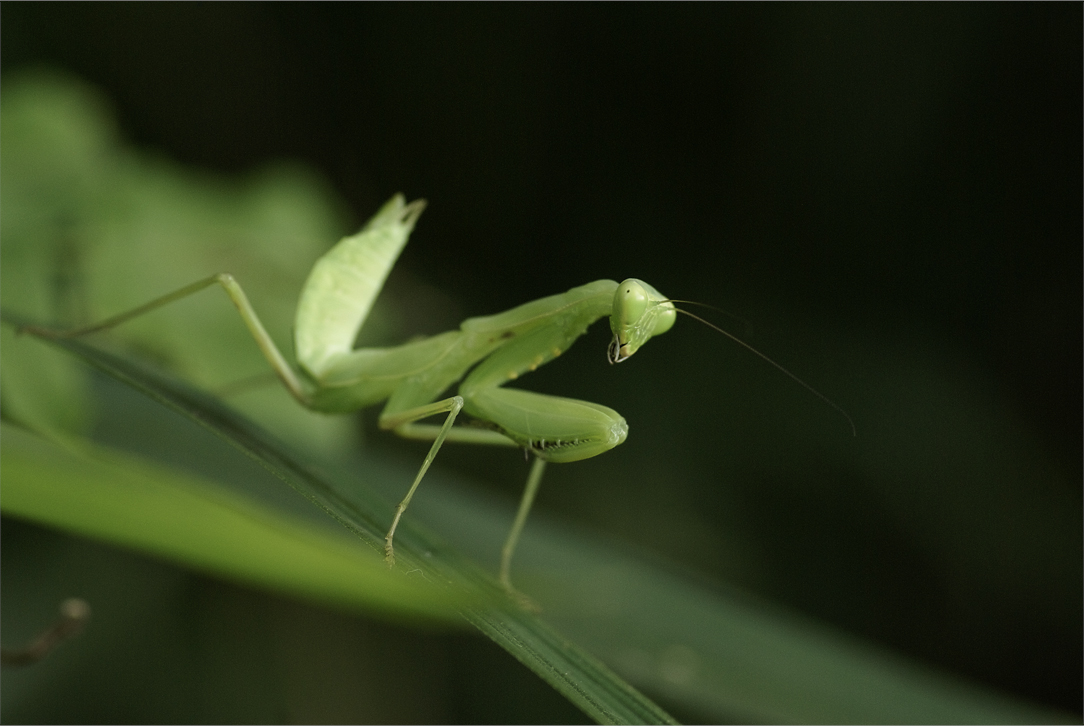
(551, 427)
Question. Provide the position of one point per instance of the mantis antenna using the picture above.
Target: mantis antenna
(742, 343)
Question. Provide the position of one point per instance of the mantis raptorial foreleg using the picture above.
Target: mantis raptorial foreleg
(482, 356)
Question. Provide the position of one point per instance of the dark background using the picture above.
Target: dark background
(866, 185)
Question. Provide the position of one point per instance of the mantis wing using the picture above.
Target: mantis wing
(344, 282)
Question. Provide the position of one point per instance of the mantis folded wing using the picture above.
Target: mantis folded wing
(482, 355)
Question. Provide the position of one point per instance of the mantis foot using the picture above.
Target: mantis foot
(521, 600)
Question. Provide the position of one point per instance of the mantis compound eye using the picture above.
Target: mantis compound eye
(630, 303)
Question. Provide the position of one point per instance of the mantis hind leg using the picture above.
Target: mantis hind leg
(240, 301)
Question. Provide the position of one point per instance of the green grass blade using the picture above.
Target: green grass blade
(724, 655)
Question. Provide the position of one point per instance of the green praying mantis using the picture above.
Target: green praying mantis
(482, 355)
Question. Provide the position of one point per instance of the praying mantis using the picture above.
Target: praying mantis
(482, 355)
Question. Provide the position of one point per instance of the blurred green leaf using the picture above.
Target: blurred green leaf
(82, 211)
(107, 495)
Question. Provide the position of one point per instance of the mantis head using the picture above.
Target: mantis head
(639, 313)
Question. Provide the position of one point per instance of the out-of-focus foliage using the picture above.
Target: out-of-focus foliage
(109, 495)
(92, 228)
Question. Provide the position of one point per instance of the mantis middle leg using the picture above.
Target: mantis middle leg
(403, 425)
